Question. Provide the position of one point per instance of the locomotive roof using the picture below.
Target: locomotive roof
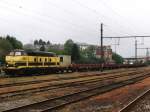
(36, 53)
(40, 53)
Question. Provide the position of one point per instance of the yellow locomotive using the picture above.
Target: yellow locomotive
(32, 62)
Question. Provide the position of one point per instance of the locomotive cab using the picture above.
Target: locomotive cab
(15, 57)
(17, 53)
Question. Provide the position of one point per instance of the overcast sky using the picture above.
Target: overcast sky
(59, 20)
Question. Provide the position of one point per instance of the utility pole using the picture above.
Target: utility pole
(102, 52)
(135, 50)
(116, 43)
(147, 54)
(101, 48)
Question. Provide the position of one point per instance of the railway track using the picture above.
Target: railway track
(59, 102)
(128, 107)
(62, 78)
(63, 85)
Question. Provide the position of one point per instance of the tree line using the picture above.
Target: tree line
(87, 55)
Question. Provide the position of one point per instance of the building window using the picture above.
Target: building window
(40, 59)
(50, 60)
(45, 59)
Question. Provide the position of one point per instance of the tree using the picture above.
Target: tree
(14, 42)
(42, 48)
(5, 48)
(43, 43)
(7, 44)
(75, 53)
(117, 58)
(57, 51)
(40, 42)
(29, 47)
(68, 47)
(36, 42)
(48, 43)
(90, 51)
(72, 49)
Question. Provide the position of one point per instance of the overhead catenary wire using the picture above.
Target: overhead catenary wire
(72, 26)
(134, 36)
(66, 34)
(39, 15)
(15, 11)
(98, 13)
(8, 23)
(116, 13)
(66, 11)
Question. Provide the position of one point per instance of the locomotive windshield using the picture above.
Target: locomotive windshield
(11, 53)
(17, 53)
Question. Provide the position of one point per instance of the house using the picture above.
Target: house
(107, 52)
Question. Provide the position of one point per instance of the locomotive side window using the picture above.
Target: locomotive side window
(61, 59)
(35, 60)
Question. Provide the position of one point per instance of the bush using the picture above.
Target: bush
(117, 58)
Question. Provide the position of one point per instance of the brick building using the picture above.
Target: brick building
(107, 52)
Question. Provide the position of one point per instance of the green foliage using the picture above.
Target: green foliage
(7, 44)
(36, 42)
(68, 47)
(5, 47)
(147, 62)
(41, 42)
(29, 47)
(88, 52)
(88, 56)
(57, 51)
(42, 48)
(75, 53)
(48, 43)
(72, 49)
(91, 60)
(14, 42)
(117, 58)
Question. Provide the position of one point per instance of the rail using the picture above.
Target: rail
(61, 101)
(132, 103)
(63, 85)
